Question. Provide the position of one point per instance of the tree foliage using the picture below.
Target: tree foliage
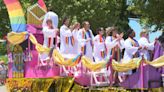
(100, 13)
(151, 12)
(5, 24)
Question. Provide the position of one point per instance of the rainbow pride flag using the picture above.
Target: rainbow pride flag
(16, 15)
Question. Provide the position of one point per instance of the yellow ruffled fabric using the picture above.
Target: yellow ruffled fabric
(123, 67)
(134, 63)
(92, 65)
(40, 48)
(159, 62)
(16, 38)
(59, 59)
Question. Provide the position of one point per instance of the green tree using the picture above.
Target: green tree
(5, 23)
(150, 12)
(100, 13)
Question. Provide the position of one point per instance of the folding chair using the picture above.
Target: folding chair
(43, 60)
(100, 78)
(66, 70)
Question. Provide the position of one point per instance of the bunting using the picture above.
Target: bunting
(17, 38)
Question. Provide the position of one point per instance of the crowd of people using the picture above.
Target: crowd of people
(79, 39)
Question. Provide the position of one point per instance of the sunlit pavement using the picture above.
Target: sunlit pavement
(3, 89)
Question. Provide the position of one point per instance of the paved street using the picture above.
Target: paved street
(3, 89)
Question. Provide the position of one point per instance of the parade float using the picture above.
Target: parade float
(29, 72)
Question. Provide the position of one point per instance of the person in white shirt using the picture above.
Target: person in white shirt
(75, 31)
(49, 32)
(114, 43)
(99, 45)
(66, 38)
(131, 50)
(131, 46)
(85, 38)
(146, 45)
